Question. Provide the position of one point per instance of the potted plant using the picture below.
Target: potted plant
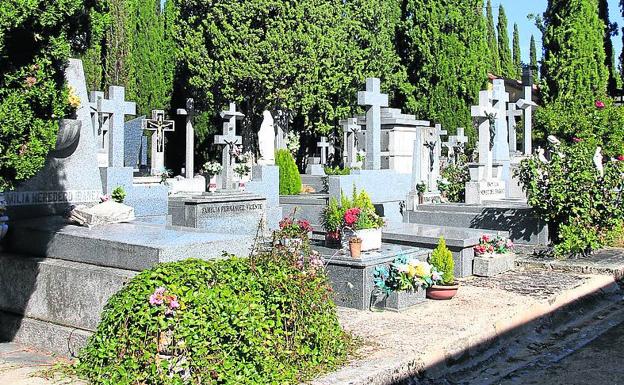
(355, 247)
(404, 283)
(4, 227)
(489, 246)
(421, 188)
(332, 223)
(210, 170)
(357, 215)
(293, 231)
(445, 287)
(242, 170)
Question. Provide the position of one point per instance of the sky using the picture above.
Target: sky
(517, 11)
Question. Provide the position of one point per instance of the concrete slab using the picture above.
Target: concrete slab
(132, 246)
(607, 261)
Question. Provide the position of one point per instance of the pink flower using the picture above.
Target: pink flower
(620, 158)
(157, 298)
(600, 105)
(485, 238)
(577, 140)
(104, 198)
(351, 216)
(174, 304)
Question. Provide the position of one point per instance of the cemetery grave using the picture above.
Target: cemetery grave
(259, 207)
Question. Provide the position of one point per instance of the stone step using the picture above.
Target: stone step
(131, 246)
(517, 219)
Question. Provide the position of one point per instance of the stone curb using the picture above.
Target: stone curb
(400, 369)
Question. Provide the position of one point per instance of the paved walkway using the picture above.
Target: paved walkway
(23, 366)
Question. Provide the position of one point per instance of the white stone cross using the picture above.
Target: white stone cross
(483, 114)
(373, 99)
(512, 113)
(158, 125)
(189, 112)
(349, 129)
(229, 140)
(500, 148)
(457, 143)
(324, 146)
(101, 121)
(118, 108)
(526, 104)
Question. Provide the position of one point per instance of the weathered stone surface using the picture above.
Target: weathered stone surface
(352, 279)
(220, 212)
(131, 246)
(400, 300)
(491, 265)
(135, 146)
(609, 261)
(265, 183)
(515, 218)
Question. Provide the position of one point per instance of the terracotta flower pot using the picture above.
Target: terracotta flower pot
(440, 292)
(355, 247)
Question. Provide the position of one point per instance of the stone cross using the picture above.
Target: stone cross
(324, 146)
(101, 122)
(526, 104)
(118, 108)
(457, 143)
(417, 171)
(189, 112)
(435, 161)
(482, 114)
(229, 140)
(373, 99)
(512, 113)
(500, 148)
(158, 125)
(349, 129)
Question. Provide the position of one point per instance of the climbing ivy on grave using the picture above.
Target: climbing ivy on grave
(265, 320)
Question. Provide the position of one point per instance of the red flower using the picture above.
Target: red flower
(577, 140)
(286, 222)
(620, 158)
(600, 105)
(485, 238)
(351, 216)
(305, 226)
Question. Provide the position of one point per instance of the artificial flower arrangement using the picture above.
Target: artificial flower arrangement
(212, 168)
(405, 274)
(493, 245)
(356, 214)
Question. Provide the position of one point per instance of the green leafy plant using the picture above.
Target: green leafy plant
(269, 319)
(356, 212)
(36, 39)
(337, 171)
(242, 169)
(442, 259)
(581, 205)
(421, 187)
(290, 180)
(452, 183)
(118, 194)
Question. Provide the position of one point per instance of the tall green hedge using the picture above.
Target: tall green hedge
(36, 38)
(290, 180)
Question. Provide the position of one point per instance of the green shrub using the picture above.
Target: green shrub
(36, 38)
(581, 206)
(337, 171)
(290, 180)
(452, 183)
(267, 320)
(442, 259)
(603, 126)
(118, 194)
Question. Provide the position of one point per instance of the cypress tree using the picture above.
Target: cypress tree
(134, 52)
(494, 65)
(446, 84)
(533, 58)
(504, 51)
(610, 30)
(573, 69)
(517, 61)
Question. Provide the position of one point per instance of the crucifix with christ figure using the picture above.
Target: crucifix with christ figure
(229, 140)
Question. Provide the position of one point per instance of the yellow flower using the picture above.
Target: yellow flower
(411, 271)
(73, 99)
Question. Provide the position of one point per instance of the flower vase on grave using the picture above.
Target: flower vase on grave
(212, 183)
(241, 186)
